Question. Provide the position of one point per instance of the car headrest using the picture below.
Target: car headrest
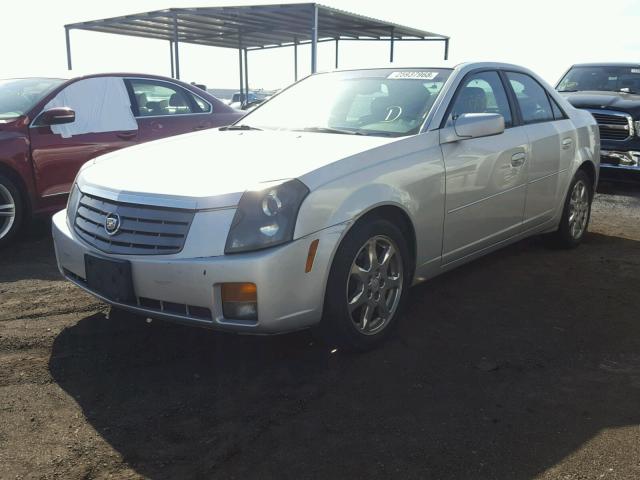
(472, 100)
(177, 100)
(141, 99)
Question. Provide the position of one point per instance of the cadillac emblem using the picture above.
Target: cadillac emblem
(112, 223)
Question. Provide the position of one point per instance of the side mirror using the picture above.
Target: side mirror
(473, 125)
(56, 116)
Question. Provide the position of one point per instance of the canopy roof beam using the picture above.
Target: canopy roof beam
(256, 27)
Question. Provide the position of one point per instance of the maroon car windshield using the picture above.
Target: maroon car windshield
(18, 96)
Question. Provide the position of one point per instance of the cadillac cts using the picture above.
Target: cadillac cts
(325, 204)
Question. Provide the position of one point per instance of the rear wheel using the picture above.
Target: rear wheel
(11, 210)
(367, 286)
(576, 213)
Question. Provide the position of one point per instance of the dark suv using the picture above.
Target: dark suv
(611, 92)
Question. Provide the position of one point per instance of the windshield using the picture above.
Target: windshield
(608, 79)
(383, 102)
(18, 96)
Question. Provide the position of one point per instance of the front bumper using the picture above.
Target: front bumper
(180, 289)
(620, 159)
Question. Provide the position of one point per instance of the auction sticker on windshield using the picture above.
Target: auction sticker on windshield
(413, 75)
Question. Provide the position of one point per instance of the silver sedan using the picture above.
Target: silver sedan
(325, 204)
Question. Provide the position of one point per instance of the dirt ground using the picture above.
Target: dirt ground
(522, 365)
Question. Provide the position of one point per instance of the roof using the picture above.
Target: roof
(607, 64)
(253, 26)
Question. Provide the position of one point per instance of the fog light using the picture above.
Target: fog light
(240, 301)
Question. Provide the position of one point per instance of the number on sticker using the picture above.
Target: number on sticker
(413, 75)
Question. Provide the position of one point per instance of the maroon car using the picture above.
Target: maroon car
(49, 127)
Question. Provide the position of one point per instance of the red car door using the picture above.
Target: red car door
(164, 108)
(58, 157)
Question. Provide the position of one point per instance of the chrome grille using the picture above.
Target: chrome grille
(613, 125)
(144, 230)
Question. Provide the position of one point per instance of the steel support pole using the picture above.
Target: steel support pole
(392, 44)
(173, 67)
(295, 60)
(446, 49)
(314, 39)
(68, 40)
(337, 40)
(246, 76)
(241, 75)
(175, 46)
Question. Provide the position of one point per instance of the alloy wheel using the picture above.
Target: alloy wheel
(578, 210)
(7, 211)
(374, 285)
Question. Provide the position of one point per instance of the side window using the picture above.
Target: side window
(203, 107)
(154, 98)
(532, 98)
(93, 115)
(482, 93)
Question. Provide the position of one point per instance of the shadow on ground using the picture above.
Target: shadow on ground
(500, 369)
(31, 255)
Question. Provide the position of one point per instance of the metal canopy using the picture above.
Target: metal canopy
(256, 27)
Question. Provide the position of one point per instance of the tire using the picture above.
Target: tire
(575, 214)
(377, 289)
(11, 210)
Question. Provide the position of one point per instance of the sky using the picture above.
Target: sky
(544, 35)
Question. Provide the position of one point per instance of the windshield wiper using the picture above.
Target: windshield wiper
(239, 127)
(328, 130)
(561, 91)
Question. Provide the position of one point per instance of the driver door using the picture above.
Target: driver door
(486, 177)
(58, 157)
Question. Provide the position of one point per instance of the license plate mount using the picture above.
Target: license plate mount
(110, 278)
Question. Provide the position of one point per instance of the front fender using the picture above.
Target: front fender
(412, 181)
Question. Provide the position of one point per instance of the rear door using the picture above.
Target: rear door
(164, 109)
(103, 123)
(485, 177)
(552, 142)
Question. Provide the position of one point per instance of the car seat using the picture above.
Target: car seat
(471, 100)
(141, 100)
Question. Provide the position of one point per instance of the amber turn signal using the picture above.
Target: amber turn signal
(313, 248)
(240, 301)
(239, 292)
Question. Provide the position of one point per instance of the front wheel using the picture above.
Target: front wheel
(367, 286)
(11, 210)
(576, 212)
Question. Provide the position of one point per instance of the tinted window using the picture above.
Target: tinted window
(203, 106)
(155, 98)
(482, 93)
(532, 98)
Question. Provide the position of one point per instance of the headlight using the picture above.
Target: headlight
(72, 203)
(266, 218)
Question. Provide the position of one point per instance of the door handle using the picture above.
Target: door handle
(127, 135)
(200, 127)
(566, 143)
(518, 159)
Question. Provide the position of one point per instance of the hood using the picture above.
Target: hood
(624, 102)
(11, 131)
(211, 169)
